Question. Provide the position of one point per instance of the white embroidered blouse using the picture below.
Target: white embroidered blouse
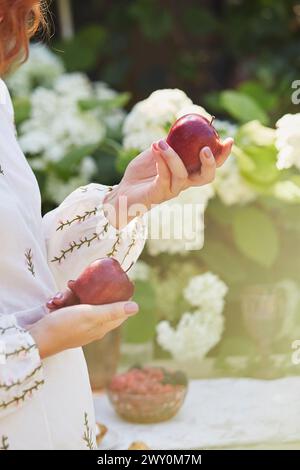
(46, 405)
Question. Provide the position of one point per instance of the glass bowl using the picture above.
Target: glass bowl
(149, 407)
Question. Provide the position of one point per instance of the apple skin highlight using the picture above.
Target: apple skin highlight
(189, 135)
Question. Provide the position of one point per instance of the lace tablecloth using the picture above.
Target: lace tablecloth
(218, 413)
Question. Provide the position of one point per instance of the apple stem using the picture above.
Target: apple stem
(212, 120)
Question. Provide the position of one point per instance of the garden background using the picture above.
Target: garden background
(234, 303)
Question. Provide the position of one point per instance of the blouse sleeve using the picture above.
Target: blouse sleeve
(77, 233)
(21, 373)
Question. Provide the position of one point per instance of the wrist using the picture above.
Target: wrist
(120, 207)
(41, 333)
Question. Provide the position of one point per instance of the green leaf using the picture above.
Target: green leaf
(219, 212)
(256, 236)
(212, 101)
(199, 21)
(72, 160)
(81, 53)
(254, 133)
(119, 101)
(141, 327)
(22, 108)
(265, 171)
(222, 260)
(154, 20)
(256, 154)
(260, 94)
(242, 107)
(244, 161)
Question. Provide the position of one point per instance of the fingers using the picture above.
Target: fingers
(174, 163)
(112, 312)
(56, 302)
(227, 147)
(62, 299)
(208, 168)
(161, 166)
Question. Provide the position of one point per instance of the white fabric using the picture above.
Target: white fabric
(219, 413)
(45, 405)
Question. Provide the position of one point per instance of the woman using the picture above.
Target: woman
(45, 396)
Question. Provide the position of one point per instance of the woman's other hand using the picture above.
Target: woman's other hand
(76, 326)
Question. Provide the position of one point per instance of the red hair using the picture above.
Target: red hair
(19, 21)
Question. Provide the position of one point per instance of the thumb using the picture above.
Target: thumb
(115, 311)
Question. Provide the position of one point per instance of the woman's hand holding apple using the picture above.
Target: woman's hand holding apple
(76, 326)
(159, 174)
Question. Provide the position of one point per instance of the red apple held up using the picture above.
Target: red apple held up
(189, 134)
(102, 282)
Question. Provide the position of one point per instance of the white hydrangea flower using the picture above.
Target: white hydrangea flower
(206, 292)
(57, 124)
(193, 337)
(41, 68)
(57, 190)
(193, 109)
(140, 271)
(176, 226)
(150, 119)
(103, 91)
(113, 117)
(288, 141)
(230, 186)
(73, 86)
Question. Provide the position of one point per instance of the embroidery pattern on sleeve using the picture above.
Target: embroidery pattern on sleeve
(132, 243)
(4, 443)
(29, 261)
(78, 218)
(21, 350)
(85, 241)
(10, 327)
(114, 248)
(88, 435)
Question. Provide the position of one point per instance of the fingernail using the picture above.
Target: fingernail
(131, 308)
(163, 145)
(155, 146)
(207, 152)
(58, 296)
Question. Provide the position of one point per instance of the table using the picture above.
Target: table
(220, 413)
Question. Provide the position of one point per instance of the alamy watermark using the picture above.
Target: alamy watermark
(175, 221)
(296, 94)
